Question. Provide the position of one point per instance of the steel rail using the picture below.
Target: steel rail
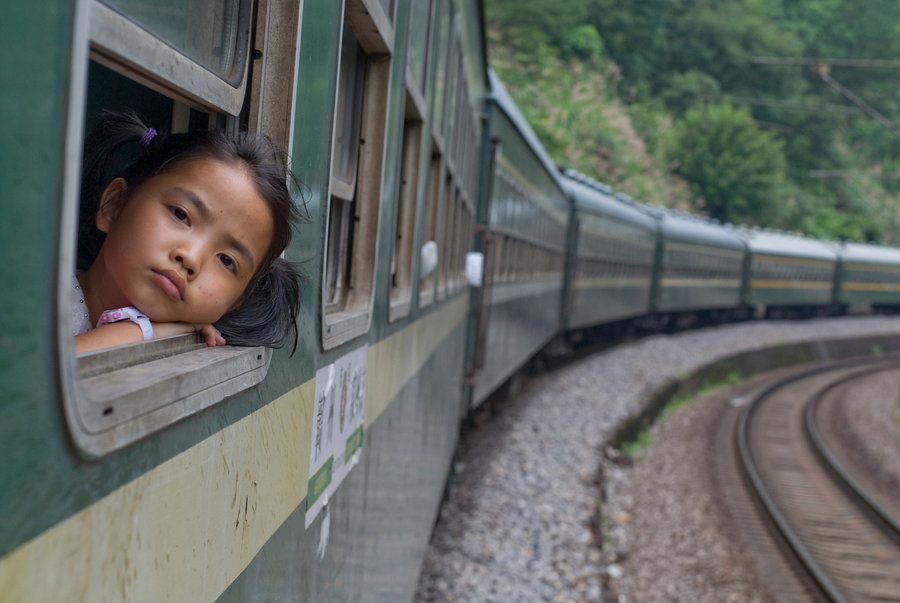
(814, 571)
(850, 485)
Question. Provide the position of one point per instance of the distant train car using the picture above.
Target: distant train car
(700, 267)
(612, 255)
(523, 216)
(169, 471)
(869, 274)
(788, 271)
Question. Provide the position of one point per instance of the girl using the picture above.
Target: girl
(186, 237)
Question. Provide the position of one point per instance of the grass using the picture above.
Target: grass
(644, 438)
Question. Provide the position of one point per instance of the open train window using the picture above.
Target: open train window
(182, 68)
(411, 160)
(432, 199)
(405, 224)
(357, 159)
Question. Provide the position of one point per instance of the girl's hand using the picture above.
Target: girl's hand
(210, 334)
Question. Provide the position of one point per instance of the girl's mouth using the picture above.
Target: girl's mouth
(170, 282)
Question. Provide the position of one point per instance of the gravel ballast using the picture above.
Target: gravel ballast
(519, 522)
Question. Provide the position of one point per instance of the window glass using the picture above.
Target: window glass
(214, 33)
(418, 40)
(347, 119)
(388, 6)
(442, 27)
(343, 171)
(364, 75)
(402, 259)
(426, 286)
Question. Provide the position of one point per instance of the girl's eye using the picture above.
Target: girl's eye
(180, 214)
(228, 262)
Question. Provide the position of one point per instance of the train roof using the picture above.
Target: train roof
(874, 254)
(690, 228)
(501, 97)
(775, 242)
(593, 197)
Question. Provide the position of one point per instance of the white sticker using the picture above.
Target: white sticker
(337, 427)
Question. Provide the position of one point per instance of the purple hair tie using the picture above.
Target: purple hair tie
(148, 136)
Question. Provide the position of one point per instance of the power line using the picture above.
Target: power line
(878, 63)
(771, 102)
(866, 107)
(823, 66)
(844, 174)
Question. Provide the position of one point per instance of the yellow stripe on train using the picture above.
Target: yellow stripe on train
(806, 285)
(870, 286)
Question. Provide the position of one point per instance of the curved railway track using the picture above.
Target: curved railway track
(845, 545)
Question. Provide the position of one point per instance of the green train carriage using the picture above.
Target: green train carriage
(523, 220)
(788, 272)
(699, 269)
(172, 471)
(612, 262)
(868, 275)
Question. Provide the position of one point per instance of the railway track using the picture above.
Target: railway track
(845, 545)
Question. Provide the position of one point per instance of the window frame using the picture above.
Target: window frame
(120, 44)
(352, 316)
(402, 260)
(114, 397)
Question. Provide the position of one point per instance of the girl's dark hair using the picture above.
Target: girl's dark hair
(268, 314)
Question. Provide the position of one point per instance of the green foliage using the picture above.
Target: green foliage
(736, 168)
(639, 444)
(572, 70)
(685, 89)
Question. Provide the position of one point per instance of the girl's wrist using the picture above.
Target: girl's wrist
(131, 314)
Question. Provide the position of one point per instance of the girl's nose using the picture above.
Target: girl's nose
(188, 258)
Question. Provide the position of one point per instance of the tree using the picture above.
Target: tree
(737, 169)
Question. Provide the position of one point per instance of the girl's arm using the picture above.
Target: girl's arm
(120, 333)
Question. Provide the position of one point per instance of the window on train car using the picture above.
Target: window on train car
(214, 33)
(197, 50)
(417, 48)
(357, 159)
(405, 223)
(116, 396)
(388, 7)
(446, 226)
(433, 191)
(441, 29)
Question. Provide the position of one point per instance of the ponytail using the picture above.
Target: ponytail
(268, 316)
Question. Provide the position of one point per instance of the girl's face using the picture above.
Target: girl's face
(184, 245)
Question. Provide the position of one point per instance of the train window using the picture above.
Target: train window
(417, 58)
(388, 7)
(433, 191)
(405, 224)
(191, 50)
(116, 396)
(441, 31)
(214, 33)
(357, 157)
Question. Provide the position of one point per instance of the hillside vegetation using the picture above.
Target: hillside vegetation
(670, 102)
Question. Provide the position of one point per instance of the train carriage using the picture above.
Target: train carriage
(700, 266)
(523, 221)
(869, 274)
(170, 471)
(787, 270)
(611, 266)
